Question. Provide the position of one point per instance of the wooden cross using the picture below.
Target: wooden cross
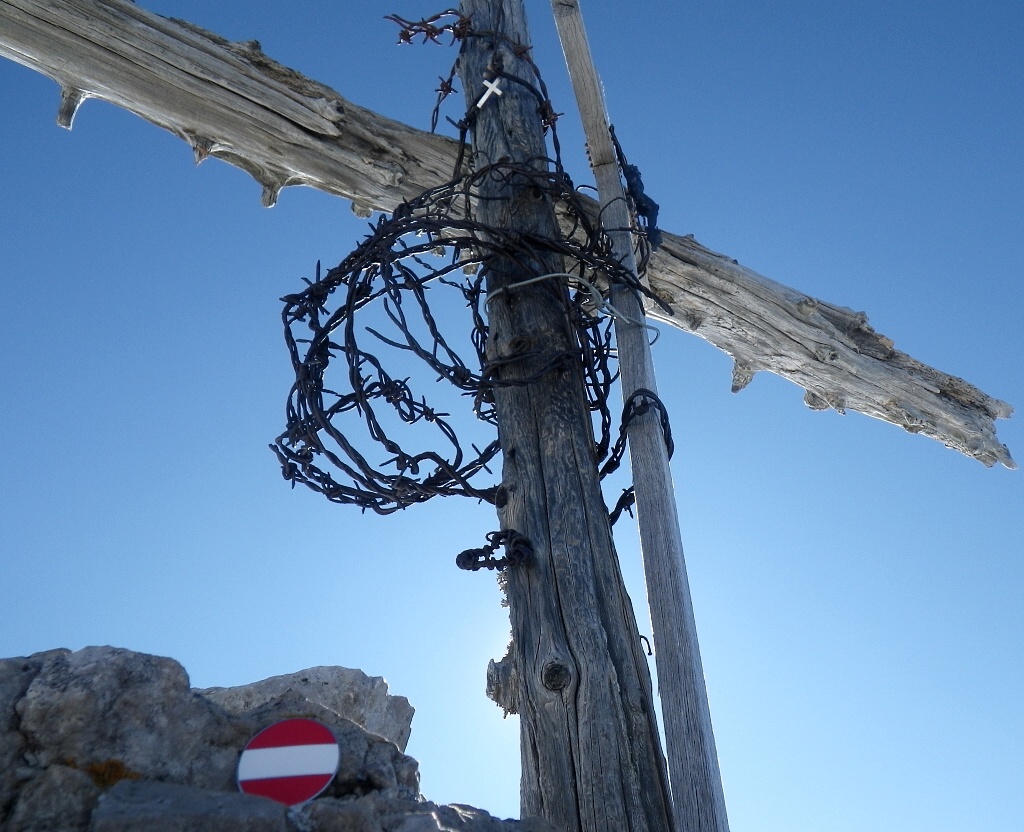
(312, 135)
(849, 380)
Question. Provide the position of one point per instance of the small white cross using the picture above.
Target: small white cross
(492, 86)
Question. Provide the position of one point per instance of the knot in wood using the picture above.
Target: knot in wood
(807, 307)
(555, 676)
(517, 345)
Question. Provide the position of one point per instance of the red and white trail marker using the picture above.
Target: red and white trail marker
(290, 762)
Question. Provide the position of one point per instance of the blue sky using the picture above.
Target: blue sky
(857, 589)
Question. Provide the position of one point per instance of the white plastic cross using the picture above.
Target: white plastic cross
(492, 87)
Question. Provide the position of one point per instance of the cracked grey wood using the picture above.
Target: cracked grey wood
(230, 101)
(698, 799)
(575, 673)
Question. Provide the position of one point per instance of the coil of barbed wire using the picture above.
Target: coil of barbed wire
(431, 243)
(353, 417)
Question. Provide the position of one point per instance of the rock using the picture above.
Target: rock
(338, 816)
(107, 740)
(59, 797)
(366, 762)
(119, 714)
(137, 806)
(349, 693)
(378, 813)
(107, 709)
(15, 677)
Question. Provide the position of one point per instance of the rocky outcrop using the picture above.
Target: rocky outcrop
(349, 693)
(107, 740)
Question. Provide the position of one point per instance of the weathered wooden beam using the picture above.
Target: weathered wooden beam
(698, 798)
(231, 101)
(591, 755)
(227, 100)
(830, 351)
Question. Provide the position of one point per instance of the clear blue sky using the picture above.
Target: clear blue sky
(858, 590)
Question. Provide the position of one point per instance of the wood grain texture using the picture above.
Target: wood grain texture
(697, 795)
(830, 351)
(230, 101)
(591, 756)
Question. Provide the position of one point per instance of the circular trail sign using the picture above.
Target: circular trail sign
(291, 761)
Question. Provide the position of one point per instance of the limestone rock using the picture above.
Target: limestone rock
(103, 708)
(15, 677)
(366, 762)
(59, 797)
(107, 740)
(139, 806)
(379, 813)
(349, 693)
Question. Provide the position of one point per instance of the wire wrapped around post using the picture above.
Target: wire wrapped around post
(429, 244)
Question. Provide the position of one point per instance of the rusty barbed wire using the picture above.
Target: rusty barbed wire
(518, 552)
(460, 28)
(431, 28)
(359, 428)
(425, 245)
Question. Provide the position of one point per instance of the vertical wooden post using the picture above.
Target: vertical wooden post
(591, 755)
(697, 793)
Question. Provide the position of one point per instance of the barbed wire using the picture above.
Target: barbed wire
(518, 552)
(407, 450)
